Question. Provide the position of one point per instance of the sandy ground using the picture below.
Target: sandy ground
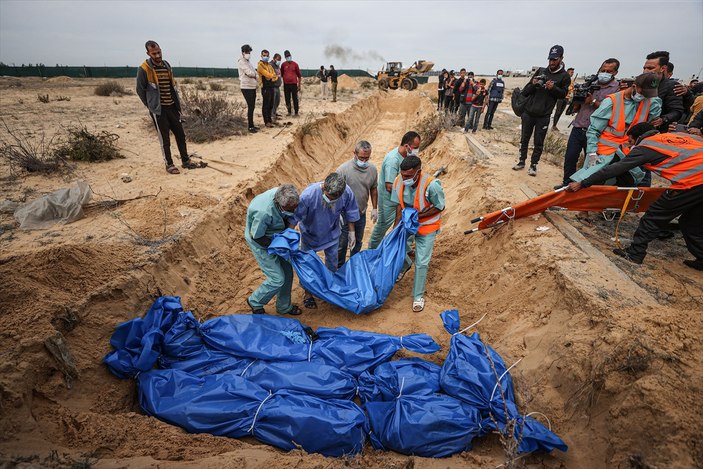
(610, 351)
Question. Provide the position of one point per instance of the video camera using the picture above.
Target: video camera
(581, 92)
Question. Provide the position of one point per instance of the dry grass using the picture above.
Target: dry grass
(217, 87)
(111, 88)
(208, 117)
(35, 155)
(430, 127)
(43, 98)
(82, 145)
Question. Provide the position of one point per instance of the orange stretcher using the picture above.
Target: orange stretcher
(591, 199)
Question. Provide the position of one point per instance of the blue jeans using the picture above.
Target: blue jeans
(574, 147)
(359, 228)
(474, 116)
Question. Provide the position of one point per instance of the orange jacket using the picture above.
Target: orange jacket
(614, 134)
(684, 167)
(427, 224)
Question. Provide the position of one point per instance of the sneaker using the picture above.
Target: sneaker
(520, 165)
(473, 131)
(418, 305)
(533, 170)
(252, 130)
(626, 255)
(695, 264)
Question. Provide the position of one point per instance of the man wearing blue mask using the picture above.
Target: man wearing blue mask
(321, 205)
(390, 168)
(362, 178)
(606, 135)
(268, 214)
(607, 85)
(413, 188)
(268, 78)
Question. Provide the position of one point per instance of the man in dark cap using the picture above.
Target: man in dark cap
(547, 85)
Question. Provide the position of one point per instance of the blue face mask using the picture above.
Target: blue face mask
(605, 77)
(265, 59)
(361, 164)
(636, 97)
(289, 58)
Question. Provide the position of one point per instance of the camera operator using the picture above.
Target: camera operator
(547, 85)
(606, 85)
(606, 135)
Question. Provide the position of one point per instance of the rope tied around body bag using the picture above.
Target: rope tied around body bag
(251, 429)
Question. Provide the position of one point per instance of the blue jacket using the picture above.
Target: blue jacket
(496, 89)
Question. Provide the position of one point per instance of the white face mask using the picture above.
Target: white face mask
(413, 152)
(247, 55)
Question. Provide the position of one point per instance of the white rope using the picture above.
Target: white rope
(251, 429)
(402, 384)
(310, 351)
(472, 325)
(247, 367)
(401, 341)
(501, 377)
(549, 424)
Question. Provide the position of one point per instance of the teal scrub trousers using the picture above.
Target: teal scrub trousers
(279, 280)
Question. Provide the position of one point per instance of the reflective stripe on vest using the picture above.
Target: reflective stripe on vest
(684, 165)
(427, 224)
(614, 134)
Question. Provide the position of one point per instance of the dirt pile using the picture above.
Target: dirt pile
(346, 82)
(617, 373)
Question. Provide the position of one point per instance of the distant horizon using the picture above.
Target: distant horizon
(355, 34)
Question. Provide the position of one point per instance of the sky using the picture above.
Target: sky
(480, 36)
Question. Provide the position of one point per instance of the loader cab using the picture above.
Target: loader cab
(393, 68)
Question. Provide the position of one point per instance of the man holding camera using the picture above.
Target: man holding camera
(595, 93)
(547, 85)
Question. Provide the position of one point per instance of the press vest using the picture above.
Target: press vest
(614, 134)
(684, 165)
(427, 224)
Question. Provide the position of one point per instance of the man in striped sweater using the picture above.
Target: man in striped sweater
(156, 88)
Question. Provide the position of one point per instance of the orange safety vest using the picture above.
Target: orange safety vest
(427, 224)
(614, 134)
(684, 165)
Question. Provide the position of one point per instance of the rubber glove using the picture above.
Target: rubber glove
(374, 215)
(352, 240)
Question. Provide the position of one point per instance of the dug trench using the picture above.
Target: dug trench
(617, 374)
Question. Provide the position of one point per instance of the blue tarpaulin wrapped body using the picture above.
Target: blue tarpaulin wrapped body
(467, 374)
(364, 282)
(228, 405)
(416, 376)
(431, 426)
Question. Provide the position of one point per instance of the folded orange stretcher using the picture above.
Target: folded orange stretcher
(591, 199)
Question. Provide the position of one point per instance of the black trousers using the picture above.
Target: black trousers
(559, 110)
(688, 204)
(170, 121)
(538, 125)
(291, 93)
(267, 95)
(490, 111)
(250, 98)
(440, 99)
(574, 148)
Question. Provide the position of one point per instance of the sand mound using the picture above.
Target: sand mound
(347, 82)
(61, 79)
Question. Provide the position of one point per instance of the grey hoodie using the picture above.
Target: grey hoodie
(247, 74)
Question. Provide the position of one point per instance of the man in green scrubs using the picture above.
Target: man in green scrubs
(268, 214)
(409, 145)
(425, 194)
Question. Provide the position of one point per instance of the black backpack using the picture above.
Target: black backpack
(518, 101)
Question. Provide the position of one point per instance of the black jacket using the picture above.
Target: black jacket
(540, 100)
(672, 105)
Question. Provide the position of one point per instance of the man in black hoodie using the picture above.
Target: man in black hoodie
(542, 92)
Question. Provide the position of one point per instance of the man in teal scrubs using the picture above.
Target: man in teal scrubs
(409, 145)
(268, 214)
(425, 194)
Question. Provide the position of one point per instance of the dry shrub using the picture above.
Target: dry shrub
(310, 126)
(217, 87)
(430, 127)
(111, 88)
(30, 154)
(555, 143)
(43, 98)
(186, 81)
(200, 86)
(82, 145)
(208, 117)
(63, 98)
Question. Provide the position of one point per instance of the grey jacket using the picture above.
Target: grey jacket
(247, 74)
(149, 92)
